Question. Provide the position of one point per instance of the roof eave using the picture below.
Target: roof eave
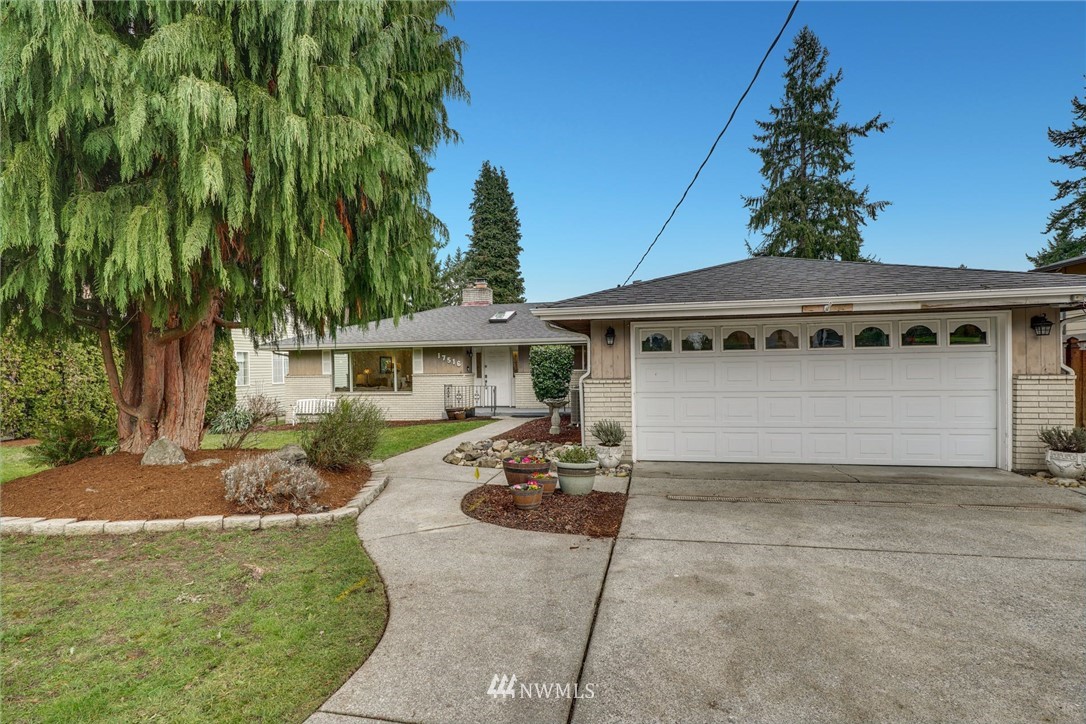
(997, 298)
(572, 338)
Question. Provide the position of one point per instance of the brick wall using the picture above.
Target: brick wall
(608, 399)
(1038, 401)
(425, 402)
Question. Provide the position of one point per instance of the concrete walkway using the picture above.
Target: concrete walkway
(467, 601)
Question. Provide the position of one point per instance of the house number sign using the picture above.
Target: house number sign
(442, 357)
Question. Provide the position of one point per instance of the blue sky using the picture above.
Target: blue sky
(600, 113)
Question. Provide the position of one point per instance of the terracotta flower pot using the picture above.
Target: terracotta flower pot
(527, 499)
(522, 472)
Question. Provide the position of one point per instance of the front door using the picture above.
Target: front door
(498, 373)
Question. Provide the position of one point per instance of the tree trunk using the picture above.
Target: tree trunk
(164, 392)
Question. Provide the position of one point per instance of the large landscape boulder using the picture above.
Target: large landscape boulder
(164, 452)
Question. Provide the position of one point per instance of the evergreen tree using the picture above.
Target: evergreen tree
(452, 278)
(494, 252)
(173, 167)
(810, 207)
(1068, 223)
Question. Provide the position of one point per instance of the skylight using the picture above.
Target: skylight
(502, 316)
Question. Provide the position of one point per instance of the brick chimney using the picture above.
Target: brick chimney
(477, 294)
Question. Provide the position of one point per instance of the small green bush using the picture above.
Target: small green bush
(233, 420)
(577, 454)
(222, 392)
(552, 366)
(72, 439)
(344, 437)
(608, 432)
(1062, 439)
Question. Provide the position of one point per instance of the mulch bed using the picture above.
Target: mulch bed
(597, 514)
(539, 430)
(117, 487)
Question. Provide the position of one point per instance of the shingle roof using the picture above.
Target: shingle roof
(1061, 264)
(777, 278)
(446, 325)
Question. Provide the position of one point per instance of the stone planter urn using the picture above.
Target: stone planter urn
(1066, 464)
(556, 419)
(609, 455)
(577, 478)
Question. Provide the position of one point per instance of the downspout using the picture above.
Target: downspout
(587, 372)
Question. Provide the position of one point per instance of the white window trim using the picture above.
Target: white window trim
(326, 362)
(984, 324)
(935, 325)
(241, 367)
(709, 331)
(753, 331)
(666, 331)
(280, 363)
(841, 329)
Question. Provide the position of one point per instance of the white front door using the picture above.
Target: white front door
(918, 390)
(498, 372)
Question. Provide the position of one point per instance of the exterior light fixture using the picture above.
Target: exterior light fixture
(610, 336)
(1040, 325)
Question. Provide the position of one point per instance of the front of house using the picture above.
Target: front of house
(782, 360)
(472, 355)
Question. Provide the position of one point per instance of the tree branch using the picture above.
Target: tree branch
(228, 325)
(111, 373)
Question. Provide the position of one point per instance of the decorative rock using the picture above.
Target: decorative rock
(241, 522)
(1042, 474)
(281, 520)
(163, 452)
(465, 447)
(204, 522)
(1065, 481)
(292, 454)
(346, 512)
(163, 525)
(209, 462)
(51, 526)
(84, 527)
(500, 445)
(18, 525)
(316, 519)
(123, 527)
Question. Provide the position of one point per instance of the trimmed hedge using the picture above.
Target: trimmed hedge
(552, 366)
(42, 381)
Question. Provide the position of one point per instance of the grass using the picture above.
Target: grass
(14, 463)
(394, 440)
(187, 626)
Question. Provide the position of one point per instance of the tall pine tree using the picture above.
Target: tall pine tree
(810, 207)
(171, 167)
(1067, 224)
(494, 252)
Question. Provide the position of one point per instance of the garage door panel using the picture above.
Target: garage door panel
(890, 405)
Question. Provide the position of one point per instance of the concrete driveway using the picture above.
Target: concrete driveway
(841, 593)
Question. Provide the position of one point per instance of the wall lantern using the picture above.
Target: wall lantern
(1040, 325)
(610, 336)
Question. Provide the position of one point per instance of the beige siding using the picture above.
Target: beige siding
(610, 362)
(1039, 401)
(260, 370)
(608, 398)
(425, 402)
(1030, 354)
(306, 364)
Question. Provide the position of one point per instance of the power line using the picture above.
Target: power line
(718, 137)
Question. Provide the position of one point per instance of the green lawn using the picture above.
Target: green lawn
(186, 626)
(394, 440)
(13, 463)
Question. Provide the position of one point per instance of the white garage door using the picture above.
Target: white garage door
(920, 391)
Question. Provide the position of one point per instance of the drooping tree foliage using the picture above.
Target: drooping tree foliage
(1067, 224)
(173, 166)
(494, 251)
(809, 206)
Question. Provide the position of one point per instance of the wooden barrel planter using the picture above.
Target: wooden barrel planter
(522, 472)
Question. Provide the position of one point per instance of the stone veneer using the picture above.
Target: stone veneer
(1038, 401)
(608, 399)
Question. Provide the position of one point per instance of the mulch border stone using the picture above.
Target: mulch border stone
(10, 525)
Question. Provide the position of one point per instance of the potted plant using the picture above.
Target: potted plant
(546, 481)
(1066, 455)
(577, 469)
(456, 413)
(527, 496)
(610, 434)
(521, 469)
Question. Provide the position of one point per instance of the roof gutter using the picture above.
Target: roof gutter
(871, 303)
(337, 344)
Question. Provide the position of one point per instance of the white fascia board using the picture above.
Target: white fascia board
(873, 303)
(337, 345)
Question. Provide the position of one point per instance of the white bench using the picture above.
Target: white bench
(310, 407)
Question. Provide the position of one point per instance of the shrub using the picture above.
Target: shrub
(1062, 439)
(577, 454)
(344, 437)
(222, 392)
(552, 366)
(80, 436)
(608, 432)
(239, 424)
(233, 420)
(264, 483)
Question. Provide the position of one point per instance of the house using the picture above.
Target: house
(472, 355)
(791, 360)
(1075, 320)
